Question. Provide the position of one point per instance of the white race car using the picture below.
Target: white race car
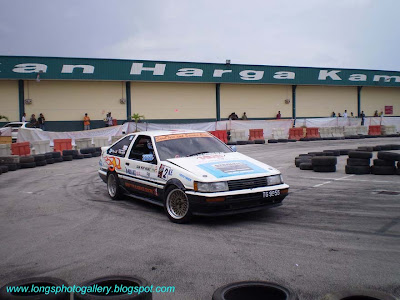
(189, 173)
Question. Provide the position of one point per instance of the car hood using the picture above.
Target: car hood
(223, 166)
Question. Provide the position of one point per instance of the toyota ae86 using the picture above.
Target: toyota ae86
(189, 173)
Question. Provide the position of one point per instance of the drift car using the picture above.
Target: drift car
(189, 173)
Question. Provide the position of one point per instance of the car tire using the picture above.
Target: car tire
(242, 142)
(39, 157)
(4, 169)
(127, 281)
(177, 206)
(28, 165)
(385, 147)
(67, 157)
(383, 170)
(68, 152)
(383, 162)
(12, 167)
(359, 294)
(324, 161)
(26, 159)
(388, 156)
(395, 146)
(344, 151)
(272, 141)
(41, 163)
(253, 290)
(232, 143)
(250, 142)
(304, 139)
(38, 282)
(48, 155)
(306, 166)
(360, 154)
(113, 186)
(324, 169)
(259, 141)
(377, 148)
(365, 148)
(335, 152)
(56, 154)
(282, 140)
(58, 159)
(9, 159)
(78, 156)
(50, 161)
(358, 162)
(298, 162)
(358, 170)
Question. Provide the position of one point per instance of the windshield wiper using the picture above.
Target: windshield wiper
(198, 153)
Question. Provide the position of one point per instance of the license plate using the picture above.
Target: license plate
(269, 194)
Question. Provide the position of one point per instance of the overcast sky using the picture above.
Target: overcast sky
(316, 33)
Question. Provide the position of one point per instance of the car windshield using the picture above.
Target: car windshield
(184, 145)
(13, 125)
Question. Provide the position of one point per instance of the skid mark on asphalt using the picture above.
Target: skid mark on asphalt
(387, 226)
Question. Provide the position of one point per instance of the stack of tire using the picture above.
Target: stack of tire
(385, 164)
(9, 163)
(359, 162)
(91, 152)
(303, 161)
(324, 163)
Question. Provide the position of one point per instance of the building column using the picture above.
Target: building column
(359, 100)
(128, 101)
(294, 104)
(21, 98)
(218, 101)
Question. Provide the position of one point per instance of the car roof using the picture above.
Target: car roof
(165, 132)
(17, 123)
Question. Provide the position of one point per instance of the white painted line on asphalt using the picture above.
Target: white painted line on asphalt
(326, 182)
(343, 178)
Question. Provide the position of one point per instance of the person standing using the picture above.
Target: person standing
(278, 116)
(345, 114)
(86, 122)
(333, 114)
(41, 121)
(362, 116)
(109, 119)
(33, 122)
(244, 117)
(376, 114)
(23, 118)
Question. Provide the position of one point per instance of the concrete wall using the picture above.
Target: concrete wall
(321, 101)
(70, 100)
(173, 100)
(376, 98)
(9, 105)
(258, 101)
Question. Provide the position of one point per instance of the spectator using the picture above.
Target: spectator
(86, 122)
(345, 114)
(109, 119)
(339, 115)
(381, 114)
(376, 114)
(333, 114)
(23, 117)
(278, 116)
(351, 115)
(33, 121)
(233, 116)
(41, 121)
(362, 116)
(244, 117)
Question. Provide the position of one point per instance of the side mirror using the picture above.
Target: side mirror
(234, 149)
(147, 157)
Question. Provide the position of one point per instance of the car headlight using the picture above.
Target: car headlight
(274, 179)
(209, 187)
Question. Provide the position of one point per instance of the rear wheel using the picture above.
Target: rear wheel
(176, 205)
(113, 188)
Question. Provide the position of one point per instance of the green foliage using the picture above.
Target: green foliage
(136, 117)
(4, 117)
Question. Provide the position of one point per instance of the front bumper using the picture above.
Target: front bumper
(235, 202)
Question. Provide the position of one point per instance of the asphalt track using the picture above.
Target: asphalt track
(334, 231)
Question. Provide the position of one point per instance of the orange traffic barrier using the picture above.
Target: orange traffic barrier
(296, 133)
(21, 148)
(312, 132)
(114, 122)
(256, 134)
(374, 130)
(62, 144)
(221, 134)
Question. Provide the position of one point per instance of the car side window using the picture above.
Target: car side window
(120, 148)
(142, 145)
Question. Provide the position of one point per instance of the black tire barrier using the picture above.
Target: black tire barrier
(254, 290)
(397, 171)
(58, 159)
(48, 155)
(385, 147)
(383, 170)
(358, 170)
(304, 139)
(241, 142)
(324, 169)
(282, 140)
(89, 150)
(4, 169)
(28, 165)
(300, 161)
(41, 163)
(304, 156)
(26, 159)
(329, 153)
(398, 165)
(317, 153)
(9, 159)
(50, 161)
(344, 151)
(229, 143)
(382, 162)
(56, 154)
(388, 156)
(130, 282)
(291, 140)
(358, 161)
(334, 152)
(360, 154)
(250, 142)
(301, 155)
(259, 141)
(359, 295)
(306, 166)
(67, 152)
(88, 155)
(272, 141)
(394, 147)
(1, 172)
(377, 148)
(97, 149)
(38, 282)
(96, 154)
(39, 157)
(324, 161)
(13, 167)
(365, 148)
(78, 156)
(67, 157)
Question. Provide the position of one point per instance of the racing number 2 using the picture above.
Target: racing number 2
(273, 193)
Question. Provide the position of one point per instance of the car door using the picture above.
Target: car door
(142, 174)
(116, 155)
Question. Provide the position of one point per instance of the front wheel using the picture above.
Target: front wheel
(176, 205)
(113, 188)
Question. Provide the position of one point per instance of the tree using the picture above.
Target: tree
(4, 117)
(136, 117)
